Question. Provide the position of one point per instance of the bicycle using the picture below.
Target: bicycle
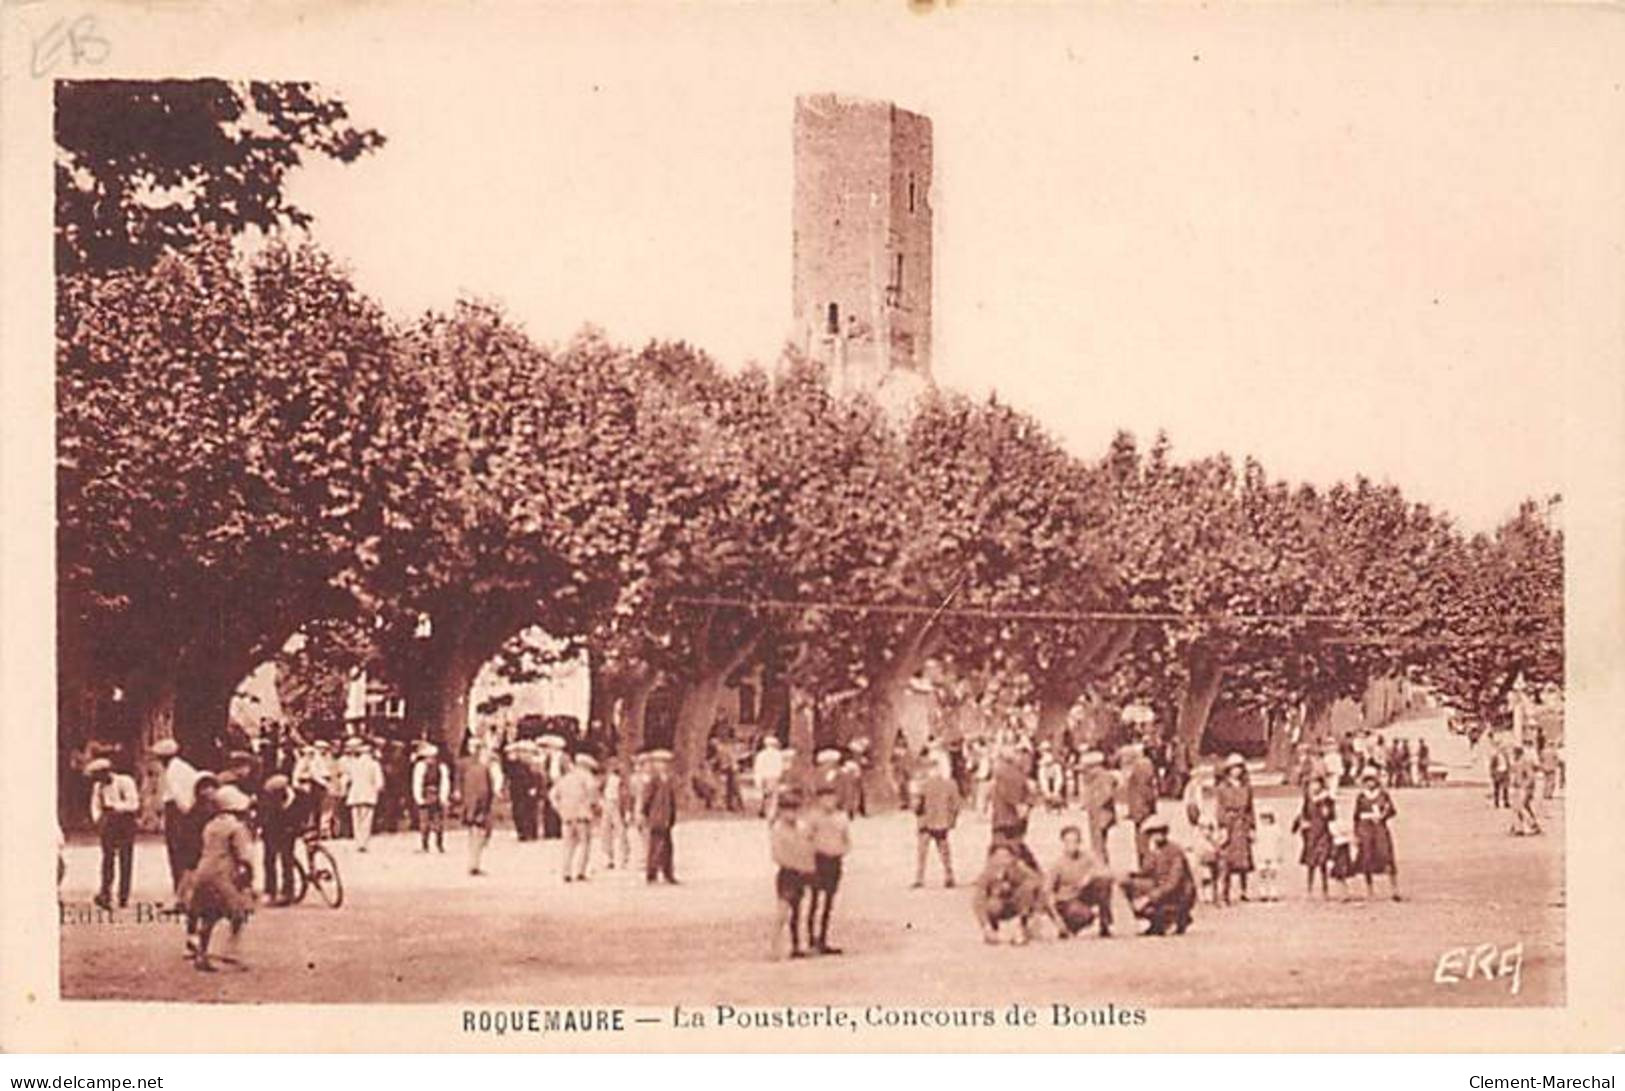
(318, 869)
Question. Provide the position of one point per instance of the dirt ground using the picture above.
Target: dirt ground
(418, 928)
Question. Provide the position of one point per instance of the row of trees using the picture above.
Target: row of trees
(249, 449)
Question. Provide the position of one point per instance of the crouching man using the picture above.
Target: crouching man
(1007, 890)
(1080, 888)
(1164, 891)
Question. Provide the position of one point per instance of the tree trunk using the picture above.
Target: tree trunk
(1054, 709)
(202, 710)
(884, 703)
(696, 714)
(461, 641)
(803, 722)
(1196, 703)
(1278, 754)
(440, 695)
(633, 700)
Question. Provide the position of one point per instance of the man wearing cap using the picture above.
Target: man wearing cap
(179, 795)
(284, 814)
(1097, 792)
(1080, 888)
(659, 810)
(575, 797)
(431, 788)
(936, 809)
(519, 757)
(114, 803)
(832, 839)
(478, 790)
(794, 853)
(1012, 803)
(767, 769)
(1008, 889)
(1163, 891)
(616, 795)
(364, 779)
(1139, 795)
(826, 768)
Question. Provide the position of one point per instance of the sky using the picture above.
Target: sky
(1344, 242)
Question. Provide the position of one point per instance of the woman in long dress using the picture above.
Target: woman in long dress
(222, 887)
(1374, 844)
(1314, 823)
(1237, 818)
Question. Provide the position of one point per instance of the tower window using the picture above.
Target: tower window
(833, 322)
(897, 272)
(911, 193)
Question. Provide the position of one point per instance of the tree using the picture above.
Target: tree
(217, 446)
(508, 501)
(974, 511)
(1502, 614)
(145, 165)
(314, 669)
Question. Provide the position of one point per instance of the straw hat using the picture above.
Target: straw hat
(98, 765)
(587, 761)
(276, 782)
(166, 748)
(828, 756)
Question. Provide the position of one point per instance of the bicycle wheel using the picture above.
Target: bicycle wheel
(324, 876)
(301, 882)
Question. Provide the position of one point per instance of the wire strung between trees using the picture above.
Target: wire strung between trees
(991, 613)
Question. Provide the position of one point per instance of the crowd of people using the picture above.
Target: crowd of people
(1213, 841)
(292, 789)
(1521, 773)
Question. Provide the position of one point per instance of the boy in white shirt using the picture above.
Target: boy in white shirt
(1269, 853)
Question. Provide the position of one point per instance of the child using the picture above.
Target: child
(221, 887)
(792, 846)
(1315, 824)
(1269, 853)
(832, 839)
(1209, 842)
(1342, 861)
(1372, 810)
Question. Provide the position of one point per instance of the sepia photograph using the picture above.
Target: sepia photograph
(710, 519)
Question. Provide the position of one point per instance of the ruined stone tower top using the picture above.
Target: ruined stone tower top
(861, 286)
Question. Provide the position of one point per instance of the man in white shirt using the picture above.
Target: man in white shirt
(768, 770)
(431, 791)
(617, 802)
(364, 779)
(114, 803)
(575, 797)
(179, 795)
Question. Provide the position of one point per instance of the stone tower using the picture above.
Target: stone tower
(861, 286)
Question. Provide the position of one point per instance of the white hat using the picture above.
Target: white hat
(658, 755)
(97, 765)
(166, 748)
(827, 755)
(773, 741)
(586, 759)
